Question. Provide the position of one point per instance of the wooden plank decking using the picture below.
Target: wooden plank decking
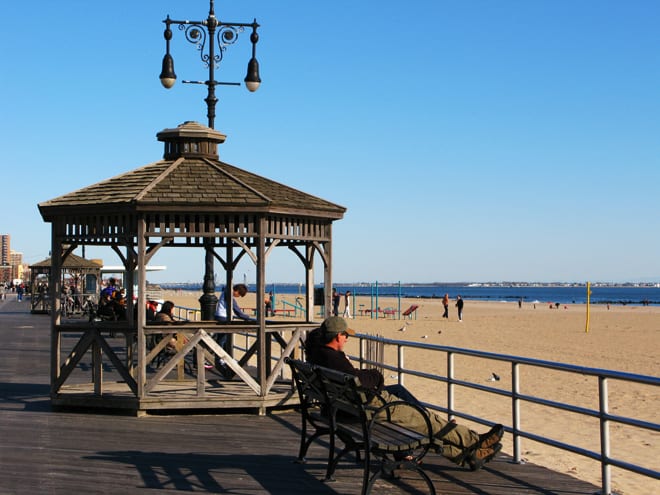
(73, 451)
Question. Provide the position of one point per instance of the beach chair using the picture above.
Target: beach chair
(412, 310)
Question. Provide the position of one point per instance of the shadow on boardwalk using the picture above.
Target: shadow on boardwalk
(73, 451)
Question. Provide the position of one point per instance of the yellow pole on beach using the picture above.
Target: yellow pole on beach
(586, 329)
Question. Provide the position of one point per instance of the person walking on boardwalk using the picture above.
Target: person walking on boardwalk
(459, 305)
(325, 347)
(445, 304)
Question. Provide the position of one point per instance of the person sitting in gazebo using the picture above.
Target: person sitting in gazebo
(166, 315)
(109, 289)
(106, 308)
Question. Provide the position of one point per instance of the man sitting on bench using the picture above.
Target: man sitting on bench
(461, 445)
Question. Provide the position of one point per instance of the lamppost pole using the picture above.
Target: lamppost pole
(224, 34)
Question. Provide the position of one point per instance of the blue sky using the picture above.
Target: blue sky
(470, 140)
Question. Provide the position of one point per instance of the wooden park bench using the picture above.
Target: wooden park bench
(334, 404)
(412, 310)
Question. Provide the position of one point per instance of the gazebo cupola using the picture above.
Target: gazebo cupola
(191, 140)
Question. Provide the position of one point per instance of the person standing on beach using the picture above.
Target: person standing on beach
(459, 305)
(269, 304)
(445, 304)
(347, 302)
(336, 299)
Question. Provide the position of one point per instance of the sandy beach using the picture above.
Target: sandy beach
(621, 338)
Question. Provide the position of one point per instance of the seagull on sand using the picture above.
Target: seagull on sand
(494, 378)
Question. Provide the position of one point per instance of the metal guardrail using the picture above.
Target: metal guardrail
(297, 308)
(518, 399)
(182, 313)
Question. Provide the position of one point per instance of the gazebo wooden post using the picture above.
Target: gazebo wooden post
(264, 341)
(141, 304)
(309, 280)
(129, 284)
(228, 294)
(55, 283)
(327, 279)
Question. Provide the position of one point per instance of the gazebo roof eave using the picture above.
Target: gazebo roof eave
(334, 214)
(50, 212)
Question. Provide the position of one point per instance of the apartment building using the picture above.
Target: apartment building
(6, 274)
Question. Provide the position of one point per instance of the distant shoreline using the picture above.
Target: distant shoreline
(619, 285)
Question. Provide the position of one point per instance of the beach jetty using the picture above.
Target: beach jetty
(189, 200)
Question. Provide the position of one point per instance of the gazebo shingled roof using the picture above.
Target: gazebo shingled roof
(71, 261)
(192, 183)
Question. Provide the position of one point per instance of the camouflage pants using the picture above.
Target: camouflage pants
(457, 440)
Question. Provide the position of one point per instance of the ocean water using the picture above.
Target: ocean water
(544, 294)
(632, 295)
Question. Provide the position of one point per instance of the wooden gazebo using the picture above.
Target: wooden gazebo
(83, 274)
(190, 199)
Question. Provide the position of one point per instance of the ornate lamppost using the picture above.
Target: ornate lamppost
(210, 31)
(213, 31)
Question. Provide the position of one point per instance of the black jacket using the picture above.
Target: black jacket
(329, 358)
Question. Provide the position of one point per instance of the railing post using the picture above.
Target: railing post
(604, 435)
(400, 364)
(515, 410)
(450, 385)
(363, 344)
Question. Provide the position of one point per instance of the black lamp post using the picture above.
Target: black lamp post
(213, 31)
(199, 33)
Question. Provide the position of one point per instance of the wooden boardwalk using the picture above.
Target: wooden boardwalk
(73, 451)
